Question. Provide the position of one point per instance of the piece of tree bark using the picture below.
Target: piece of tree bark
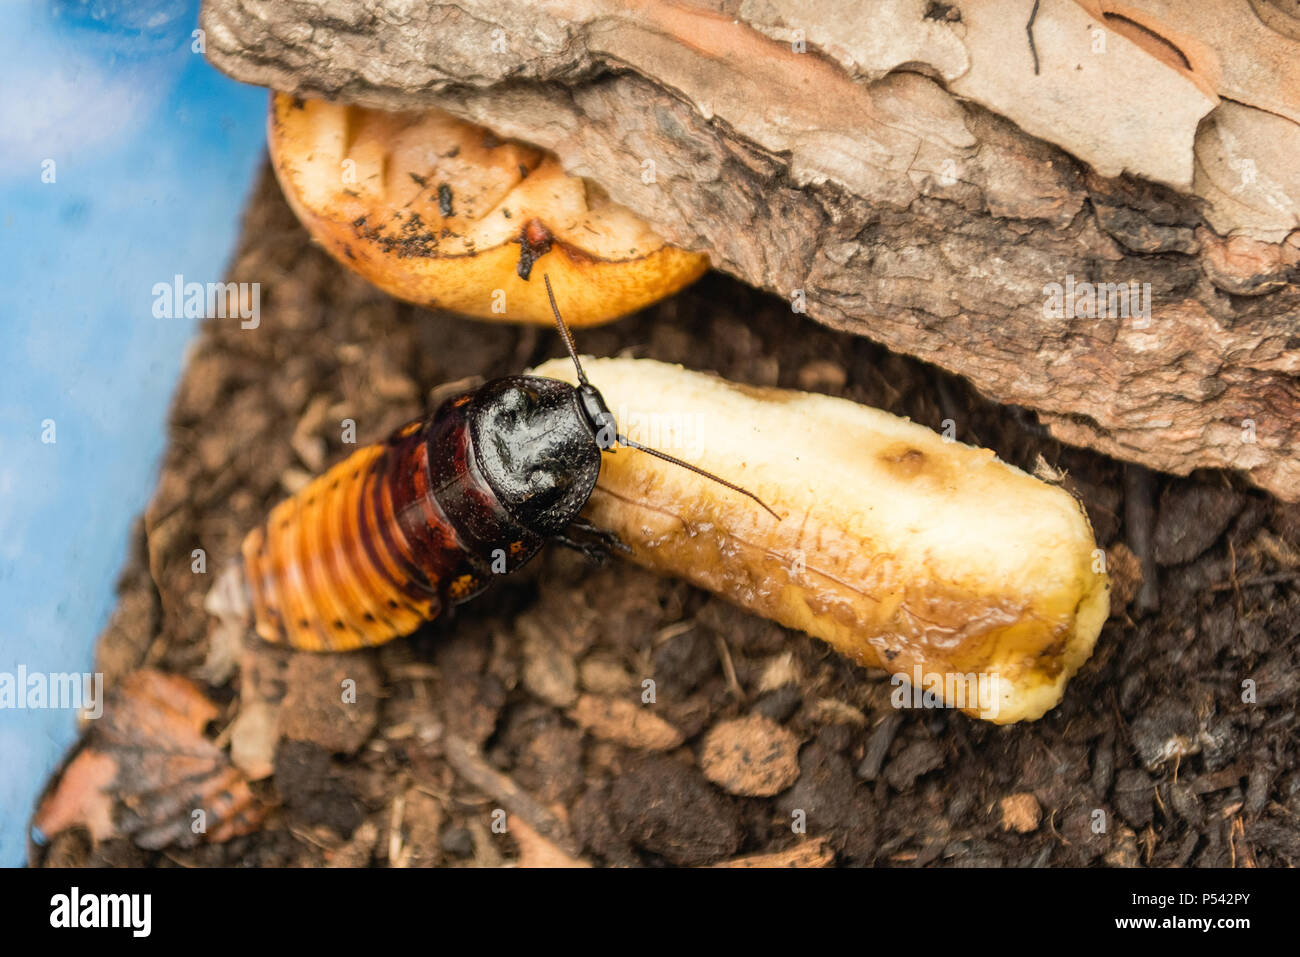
(890, 186)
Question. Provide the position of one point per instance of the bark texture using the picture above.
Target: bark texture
(914, 172)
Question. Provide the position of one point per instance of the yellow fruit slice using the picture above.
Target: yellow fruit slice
(442, 213)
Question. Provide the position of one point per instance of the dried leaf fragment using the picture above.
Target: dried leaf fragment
(145, 770)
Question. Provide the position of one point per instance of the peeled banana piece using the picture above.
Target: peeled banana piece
(963, 576)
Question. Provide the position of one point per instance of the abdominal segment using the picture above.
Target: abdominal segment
(362, 555)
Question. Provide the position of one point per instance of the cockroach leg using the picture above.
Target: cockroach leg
(595, 552)
(606, 537)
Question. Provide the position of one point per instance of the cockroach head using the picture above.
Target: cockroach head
(533, 444)
(598, 416)
(602, 421)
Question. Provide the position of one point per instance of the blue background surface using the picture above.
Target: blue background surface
(154, 153)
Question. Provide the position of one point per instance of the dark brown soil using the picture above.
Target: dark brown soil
(1154, 758)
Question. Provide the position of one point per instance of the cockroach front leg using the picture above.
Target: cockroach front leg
(597, 551)
(604, 536)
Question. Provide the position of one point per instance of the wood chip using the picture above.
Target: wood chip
(1020, 813)
(253, 737)
(751, 756)
(815, 852)
(549, 672)
(332, 701)
(626, 723)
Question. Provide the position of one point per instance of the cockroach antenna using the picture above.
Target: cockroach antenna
(567, 336)
(624, 440)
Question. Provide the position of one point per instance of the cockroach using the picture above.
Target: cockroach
(399, 531)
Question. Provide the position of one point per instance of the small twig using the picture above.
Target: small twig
(467, 762)
(309, 838)
(1029, 29)
(729, 669)
(669, 632)
(1282, 578)
(1139, 526)
(395, 830)
(1232, 577)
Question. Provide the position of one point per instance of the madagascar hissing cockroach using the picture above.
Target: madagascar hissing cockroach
(399, 531)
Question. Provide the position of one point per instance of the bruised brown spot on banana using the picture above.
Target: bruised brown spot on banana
(442, 213)
(925, 557)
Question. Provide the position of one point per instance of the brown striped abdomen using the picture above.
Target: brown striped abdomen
(380, 543)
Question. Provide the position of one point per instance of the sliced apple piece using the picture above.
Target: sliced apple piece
(442, 213)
